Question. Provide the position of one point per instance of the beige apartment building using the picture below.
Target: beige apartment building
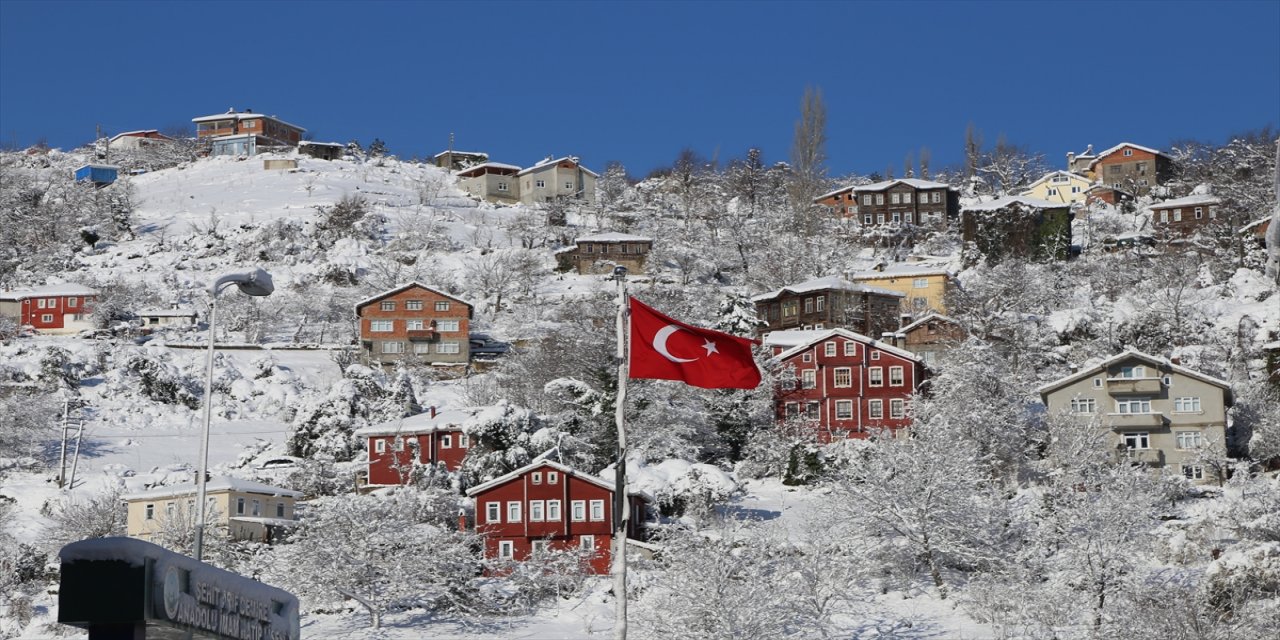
(1156, 412)
(247, 510)
(926, 286)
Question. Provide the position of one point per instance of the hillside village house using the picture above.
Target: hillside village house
(1063, 187)
(601, 252)
(557, 178)
(930, 336)
(1019, 226)
(1108, 194)
(322, 150)
(1155, 412)
(547, 506)
(828, 303)
(458, 160)
(415, 321)
(926, 286)
(1184, 216)
(1079, 164)
(54, 308)
(846, 385)
(906, 200)
(839, 202)
(247, 510)
(1132, 167)
(399, 447)
(491, 181)
(174, 316)
(137, 139)
(241, 134)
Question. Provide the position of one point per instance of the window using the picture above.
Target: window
(1075, 189)
(875, 376)
(588, 543)
(1133, 405)
(493, 512)
(821, 303)
(442, 305)
(568, 185)
(239, 506)
(906, 217)
(830, 349)
(879, 218)
(73, 301)
(578, 510)
(808, 305)
(895, 376)
(1199, 213)
(875, 355)
(40, 303)
(538, 548)
(810, 379)
(380, 325)
(875, 409)
(1060, 179)
(535, 510)
(48, 317)
(879, 198)
(279, 509)
(553, 510)
(1193, 472)
(1137, 440)
(151, 512)
(1133, 372)
(597, 510)
(812, 409)
(1213, 212)
(790, 308)
(415, 325)
(1128, 152)
(448, 347)
(380, 446)
(446, 441)
(897, 408)
(513, 511)
(393, 347)
(399, 444)
(906, 198)
(540, 183)
(257, 507)
(920, 283)
(1190, 440)
(536, 477)
(463, 441)
(421, 348)
(1084, 405)
(446, 326)
(506, 550)
(1052, 191)
(866, 218)
(843, 377)
(850, 348)
(844, 409)
(1177, 215)
(866, 200)
(792, 410)
(502, 186)
(897, 217)
(1164, 215)
(1186, 405)
(387, 305)
(1097, 383)
(894, 198)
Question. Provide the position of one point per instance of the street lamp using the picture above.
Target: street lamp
(254, 282)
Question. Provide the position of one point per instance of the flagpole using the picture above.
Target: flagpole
(621, 505)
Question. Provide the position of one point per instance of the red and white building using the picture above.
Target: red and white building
(548, 506)
(398, 447)
(55, 308)
(414, 321)
(137, 139)
(846, 384)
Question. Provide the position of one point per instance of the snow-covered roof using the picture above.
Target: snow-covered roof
(98, 165)
(377, 297)
(140, 132)
(243, 116)
(461, 153)
(901, 270)
(1008, 201)
(932, 317)
(217, 483)
(1120, 146)
(826, 282)
(913, 182)
(322, 144)
(486, 165)
(424, 422)
(791, 337)
(542, 462)
(1255, 224)
(1052, 174)
(549, 162)
(167, 313)
(279, 522)
(68, 289)
(1163, 363)
(845, 333)
(1187, 201)
(613, 236)
(832, 193)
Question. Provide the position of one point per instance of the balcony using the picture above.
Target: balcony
(1148, 457)
(1128, 386)
(1121, 421)
(421, 335)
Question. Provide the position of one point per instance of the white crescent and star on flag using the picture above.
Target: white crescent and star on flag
(660, 344)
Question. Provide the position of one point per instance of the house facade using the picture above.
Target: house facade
(548, 506)
(1155, 412)
(905, 201)
(601, 252)
(1062, 187)
(828, 303)
(1184, 216)
(415, 321)
(846, 385)
(242, 133)
(458, 160)
(1019, 226)
(1132, 167)
(247, 510)
(174, 316)
(925, 288)
(133, 140)
(55, 309)
(555, 179)
(930, 336)
(839, 202)
(398, 448)
(491, 181)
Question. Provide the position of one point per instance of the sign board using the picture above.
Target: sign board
(142, 591)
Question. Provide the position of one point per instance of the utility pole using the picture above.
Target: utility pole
(621, 505)
(75, 461)
(62, 457)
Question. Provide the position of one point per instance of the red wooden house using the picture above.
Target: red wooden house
(56, 308)
(548, 506)
(846, 385)
(429, 438)
(414, 321)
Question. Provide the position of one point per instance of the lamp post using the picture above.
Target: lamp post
(254, 282)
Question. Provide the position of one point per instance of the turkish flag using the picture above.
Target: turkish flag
(666, 349)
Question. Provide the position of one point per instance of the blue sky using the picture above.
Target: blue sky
(637, 82)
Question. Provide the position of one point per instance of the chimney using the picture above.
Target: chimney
(1176, 360)
(1071, 160)
(462, 520)
(433, 412)
(1088, 150)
